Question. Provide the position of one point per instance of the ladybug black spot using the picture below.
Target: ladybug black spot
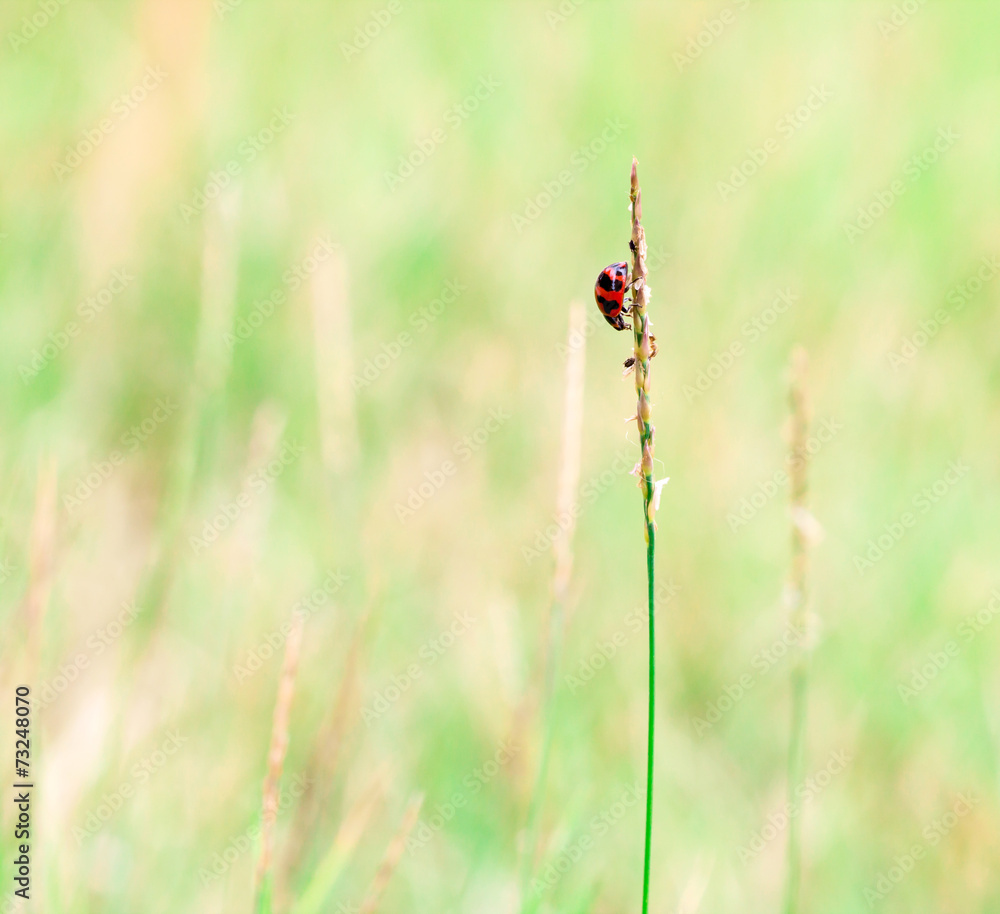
(609, 307)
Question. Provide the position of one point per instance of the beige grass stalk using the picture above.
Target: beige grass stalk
(392, 856)
(326, 750)
(275, 764)
(803, 530)
(352, 828)
(334, 364)
(643, 351)
(569, 465)
(566, 490)
(41, 552)
(242, 557)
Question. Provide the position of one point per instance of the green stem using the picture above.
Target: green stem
(650, 553)
(262, 903)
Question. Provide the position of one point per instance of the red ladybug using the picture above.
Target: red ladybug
(609, 292)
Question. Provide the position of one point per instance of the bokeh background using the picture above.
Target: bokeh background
(284, 297)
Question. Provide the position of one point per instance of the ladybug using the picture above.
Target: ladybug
(609, 292)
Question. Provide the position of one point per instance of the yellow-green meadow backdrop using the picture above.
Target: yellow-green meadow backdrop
(284, 298)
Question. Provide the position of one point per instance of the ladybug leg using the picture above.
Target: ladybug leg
(627, 301)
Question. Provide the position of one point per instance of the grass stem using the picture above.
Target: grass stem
(796, 593)
(643, 353)
(275, 764)
(650, 557)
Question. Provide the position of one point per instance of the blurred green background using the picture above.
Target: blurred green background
(284, 294)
